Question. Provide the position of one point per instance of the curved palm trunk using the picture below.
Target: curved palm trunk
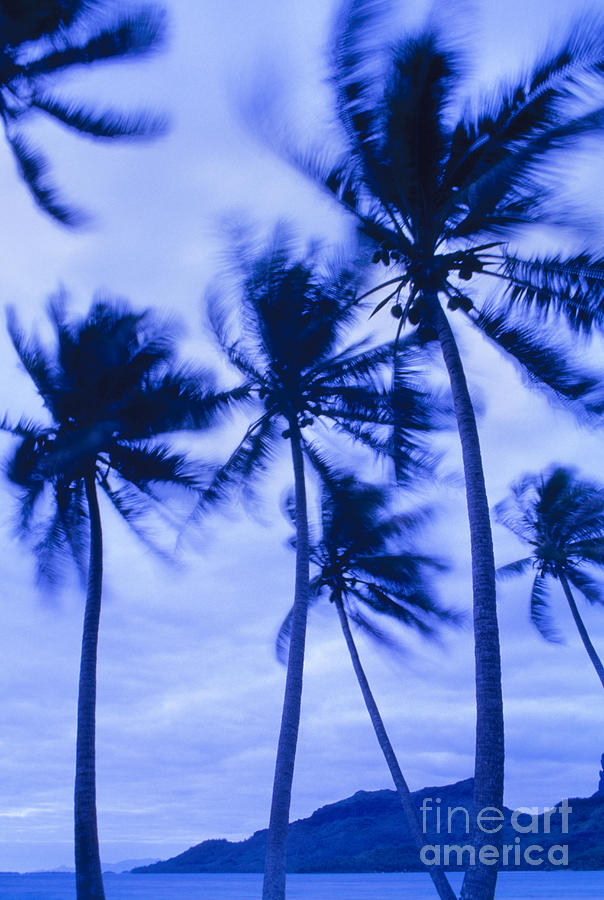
(591, 650)
(480, 880)
(275, 865)
(441, 883)
(89, 880)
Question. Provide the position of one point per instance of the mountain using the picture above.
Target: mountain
(368, 833)
(125, 865)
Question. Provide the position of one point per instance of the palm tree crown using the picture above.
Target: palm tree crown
(110, 389)
(38, 41)
(364, 555)
(442, 194)
(561, 517)
(288, 346)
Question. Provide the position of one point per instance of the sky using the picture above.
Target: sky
(189, 688)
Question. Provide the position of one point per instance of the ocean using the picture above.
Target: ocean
(564, 885)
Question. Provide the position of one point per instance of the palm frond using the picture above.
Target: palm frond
(591, 550)
(383, 638)
(416, 413)
(540, 615)
(131, 506)
(219, 317)
(34, 359)
(575, 54)
(357, 403)
(588, 586)
(33, 168)
(532, 106)
(63, 536)
(544, 364)
(357, 362)
(129, 35)
(514, 177)
(249, 460)
(416, 96)
(108, 124)
(519, 567)
(352, 58)
(283, 637)
(367, 436)
(342, 178)
(23, 428)
(338, 177)
(353, 514)
(572, 287)
(144, 463)
(25, 21)
(181, 399)
(30, 496)
(391, 570)
(321, 461)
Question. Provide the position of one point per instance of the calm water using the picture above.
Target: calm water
(415, 886)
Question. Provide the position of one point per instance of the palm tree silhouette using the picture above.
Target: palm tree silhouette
(110, 388)
(293, 317)
(439, 195)
(562, 517)
(365, 562)
(38, 42)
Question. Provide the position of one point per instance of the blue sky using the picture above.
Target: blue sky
(190, 691)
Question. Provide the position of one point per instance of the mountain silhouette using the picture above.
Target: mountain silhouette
(368, 833)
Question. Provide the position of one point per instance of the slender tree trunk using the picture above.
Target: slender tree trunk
(591, 650)
(441, 883)
(275, 865)
(89, 880)
(480, 880)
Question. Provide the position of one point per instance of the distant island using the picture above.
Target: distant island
(368, 833)
(117, 868)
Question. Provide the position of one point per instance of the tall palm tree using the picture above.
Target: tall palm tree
(110, 388)
(561, 516)
(38, 42)
(365, 563)
(439, 194)
(289, 348)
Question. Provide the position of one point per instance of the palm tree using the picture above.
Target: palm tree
(438, 195)
(110, 388)
(561, 516)
(362, 565)
(38, 42)
(288, 347)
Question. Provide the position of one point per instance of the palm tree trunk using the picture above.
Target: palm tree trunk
(89, 880)
(441, 883)
(480, 880)
(275, 865)
(591, 650)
